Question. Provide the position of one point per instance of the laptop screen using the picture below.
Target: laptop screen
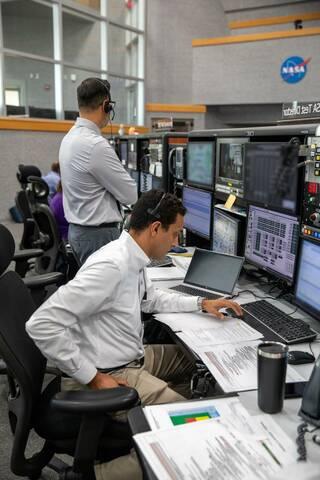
(214, 271)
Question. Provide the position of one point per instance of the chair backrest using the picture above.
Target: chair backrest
(30, 235)
(49, 231)
(25, 363)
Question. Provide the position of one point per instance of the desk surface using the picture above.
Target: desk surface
(288, 419)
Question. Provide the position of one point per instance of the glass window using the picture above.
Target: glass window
(124, 11)
(92, 4)
(28, 27)
(125, 93)
(72, 77)
(81, 40)
(122, 51)
(34, 81)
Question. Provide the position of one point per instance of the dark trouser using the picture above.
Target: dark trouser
(86, 240)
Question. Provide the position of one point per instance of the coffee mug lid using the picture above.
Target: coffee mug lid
(272, 350)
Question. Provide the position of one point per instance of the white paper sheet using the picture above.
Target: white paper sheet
(171, 415)
(207, 450)
(165, 273)
(228, 332)
(234, 366)
(190, 321)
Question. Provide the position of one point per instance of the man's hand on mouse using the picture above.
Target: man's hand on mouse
(213, 307)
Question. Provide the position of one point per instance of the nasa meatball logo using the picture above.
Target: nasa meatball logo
(294, 69)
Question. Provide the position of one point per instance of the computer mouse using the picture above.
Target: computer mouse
(231, 313)
(178, 249)
(295, 357)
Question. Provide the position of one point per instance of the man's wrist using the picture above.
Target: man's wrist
(200, 303)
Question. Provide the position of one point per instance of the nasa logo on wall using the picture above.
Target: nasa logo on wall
(294, 69)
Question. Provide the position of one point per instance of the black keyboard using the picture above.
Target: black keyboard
(274, 324)
(162, 262)
(195, 292)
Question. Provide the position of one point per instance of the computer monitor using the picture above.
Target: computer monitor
(226, 230)
(124, 152)
(307, 292)
(272, 241)
(199, 211)
(230, 165)
(132, 154)
(271, 175)
(200, 164)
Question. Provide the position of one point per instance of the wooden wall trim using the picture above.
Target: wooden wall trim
(175, 108)
(43, 125)
(255, 37)
(260, 22)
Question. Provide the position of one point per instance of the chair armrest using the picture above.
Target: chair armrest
(96, 401)
(42, 280)
(22, 255)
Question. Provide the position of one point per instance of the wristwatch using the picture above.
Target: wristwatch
(199, 302)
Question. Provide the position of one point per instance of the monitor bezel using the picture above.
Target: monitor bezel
(191, 183)
(242, 259)
(223, 181)
(229, 217)
(288, 280)
(211, 212)
(268, 205)
(301, 304)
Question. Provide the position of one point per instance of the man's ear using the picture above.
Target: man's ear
(154, 228)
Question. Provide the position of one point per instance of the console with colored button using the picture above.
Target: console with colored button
(311, 200)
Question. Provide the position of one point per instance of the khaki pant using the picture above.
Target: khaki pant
(164, 366)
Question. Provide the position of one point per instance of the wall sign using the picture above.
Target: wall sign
(294, 69)
(301, 110)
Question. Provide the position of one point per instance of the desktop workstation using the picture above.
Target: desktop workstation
(278, 288)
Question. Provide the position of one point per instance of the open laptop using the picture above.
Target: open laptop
(213, 274)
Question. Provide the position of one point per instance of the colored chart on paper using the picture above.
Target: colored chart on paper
(190, 415)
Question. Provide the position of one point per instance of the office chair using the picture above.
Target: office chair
(76, 423)
(31, 235)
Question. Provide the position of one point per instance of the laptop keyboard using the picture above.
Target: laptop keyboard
(195, 292)
(287, 329)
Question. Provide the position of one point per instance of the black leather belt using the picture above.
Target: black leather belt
(134, 364)
(102, 225)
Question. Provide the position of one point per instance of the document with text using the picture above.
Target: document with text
(234, 365)
(210, 450)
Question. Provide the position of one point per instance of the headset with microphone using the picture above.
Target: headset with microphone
(108, 105)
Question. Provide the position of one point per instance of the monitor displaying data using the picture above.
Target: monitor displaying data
(199, 211)
(225, 233)
(307, 294)
(271, 175)
(200, 163)
(272, 241)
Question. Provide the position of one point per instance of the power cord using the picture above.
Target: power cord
(301, 440)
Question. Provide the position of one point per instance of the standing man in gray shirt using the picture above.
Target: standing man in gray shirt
(93, 179)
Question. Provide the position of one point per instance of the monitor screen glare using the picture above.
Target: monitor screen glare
(225, 233)
(200, 163)
(199, 211)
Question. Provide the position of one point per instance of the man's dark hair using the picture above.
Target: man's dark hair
(155, 205)
(92, 92)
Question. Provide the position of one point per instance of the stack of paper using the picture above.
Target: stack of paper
(217, 449)
(165, 273)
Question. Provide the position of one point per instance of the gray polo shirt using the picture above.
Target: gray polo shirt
(92, 177)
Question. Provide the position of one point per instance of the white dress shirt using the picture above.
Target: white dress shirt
(92, 177)
(95, 320)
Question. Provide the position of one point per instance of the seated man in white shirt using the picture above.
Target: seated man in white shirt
(91, 328)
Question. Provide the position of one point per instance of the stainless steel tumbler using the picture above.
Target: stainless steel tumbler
(272, 368)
